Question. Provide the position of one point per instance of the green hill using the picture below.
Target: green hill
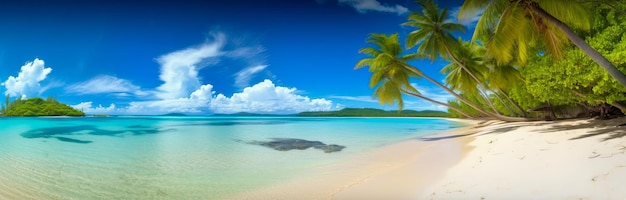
(371, 112)
(38, 107)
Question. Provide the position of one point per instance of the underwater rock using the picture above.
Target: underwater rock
(286, 144)
(330, 148)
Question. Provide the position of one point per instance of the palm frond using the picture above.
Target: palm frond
(505, 34)
(554, 41)
(362, 63)
(416, 37)
(453, 27)
(490, 17)
(473, 7)
(569, 12)
(370, 51)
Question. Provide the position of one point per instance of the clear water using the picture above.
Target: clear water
(177, 157)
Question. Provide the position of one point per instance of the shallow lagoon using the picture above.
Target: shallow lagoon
(177, 157)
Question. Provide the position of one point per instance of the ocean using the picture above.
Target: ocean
(139, 157)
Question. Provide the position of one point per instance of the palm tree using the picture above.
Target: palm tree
(502, 77)
(390, 71)
(435, 39)
(518, 24)
(386, 61)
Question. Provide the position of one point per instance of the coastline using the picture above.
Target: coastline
(394, 171)
(568, 159)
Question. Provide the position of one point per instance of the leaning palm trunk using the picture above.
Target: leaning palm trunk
(481, 85)
(438, 102)
(499, 97)
(519, 109)
(469, 103)
(580, 43)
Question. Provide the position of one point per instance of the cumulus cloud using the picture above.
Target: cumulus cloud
(198, 101)
(87, 107)
(26, 84)
(179, 69)
(364, 6)
(467, 21)
(183, 91)
(106, 84)
(242, 78)
(265, 97)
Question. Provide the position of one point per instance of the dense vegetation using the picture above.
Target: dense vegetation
(519, 65)
(38, 107)
(370, 112)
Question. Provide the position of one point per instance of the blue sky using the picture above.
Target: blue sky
(155, 57)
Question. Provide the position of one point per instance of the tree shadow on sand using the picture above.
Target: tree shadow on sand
(503, 128)
(65, 132)
(431, 139)
(611, 129)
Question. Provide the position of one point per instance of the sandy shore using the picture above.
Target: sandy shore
(574, 159)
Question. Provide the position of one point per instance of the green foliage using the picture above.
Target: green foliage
(433, 31)
(39, 107)
(508, 62)
(515, 27)
(370, 112)
(389, 70)
(578, 79)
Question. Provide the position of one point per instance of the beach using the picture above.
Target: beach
(568, 159)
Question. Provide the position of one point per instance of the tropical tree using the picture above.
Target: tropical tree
(515, 26)
(390, 71)
(434, 36)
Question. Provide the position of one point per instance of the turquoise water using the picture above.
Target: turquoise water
(177, 157)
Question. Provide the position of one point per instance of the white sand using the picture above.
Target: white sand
(531, 160)
(574, 159)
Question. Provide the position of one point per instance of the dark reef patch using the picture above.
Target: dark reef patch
(286, 144)
(63, 133)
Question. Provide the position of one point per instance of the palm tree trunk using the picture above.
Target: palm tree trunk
(498, 95)
(469, 103)
(481, 85)
(512, 102)
(580, 43)
(438, 102)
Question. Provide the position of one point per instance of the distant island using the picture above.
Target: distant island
(174, 114)
(38, 107)
(371, 112)
(245, 114)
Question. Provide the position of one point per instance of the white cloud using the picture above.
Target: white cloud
(368, 99)
(106, 84)
(179, 69)
(26, 84)
(242, 78)
(198, 101)
(88, 108)
(363, 6)
(183, 91)
(467, 21)
(265, 97)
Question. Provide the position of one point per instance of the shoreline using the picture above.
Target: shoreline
(386, 172)
(566, 159)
